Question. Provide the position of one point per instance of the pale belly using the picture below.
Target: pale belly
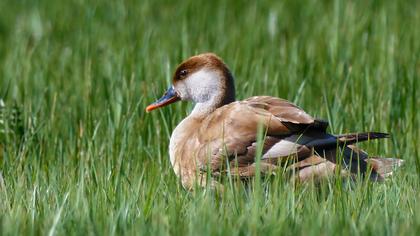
(178, 137)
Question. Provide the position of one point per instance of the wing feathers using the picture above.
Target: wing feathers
(359, 137)
(291, 134)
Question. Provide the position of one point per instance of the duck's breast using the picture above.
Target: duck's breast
(182, 144)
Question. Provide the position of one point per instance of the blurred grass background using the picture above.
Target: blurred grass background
(78, 154)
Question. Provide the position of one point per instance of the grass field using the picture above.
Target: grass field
(78, 154)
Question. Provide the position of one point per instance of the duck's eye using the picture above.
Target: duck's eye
(183, 73)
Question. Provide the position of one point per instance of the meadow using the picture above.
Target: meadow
(80, 156)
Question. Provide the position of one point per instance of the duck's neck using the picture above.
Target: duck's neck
(203, 109)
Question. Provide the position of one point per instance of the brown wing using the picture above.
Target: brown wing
(231, 130)
(281, 109)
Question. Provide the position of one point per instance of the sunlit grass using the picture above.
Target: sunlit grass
(78, 154)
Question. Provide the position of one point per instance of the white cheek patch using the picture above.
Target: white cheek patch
(202, 85)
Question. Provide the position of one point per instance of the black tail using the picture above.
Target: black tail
(357, 161)
(338, 150)
(324, 142)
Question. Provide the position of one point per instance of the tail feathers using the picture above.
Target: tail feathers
(360, 137)
(358, 160)
(384, 166)
(326, 141)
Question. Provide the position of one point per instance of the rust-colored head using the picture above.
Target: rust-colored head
(202, 79)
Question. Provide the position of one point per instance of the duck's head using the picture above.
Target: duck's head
(203, 79)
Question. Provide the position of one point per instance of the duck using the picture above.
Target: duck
(258, 136)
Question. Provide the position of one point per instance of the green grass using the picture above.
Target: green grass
(78, 154)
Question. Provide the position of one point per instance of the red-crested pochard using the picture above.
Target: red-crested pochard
(221, 132)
